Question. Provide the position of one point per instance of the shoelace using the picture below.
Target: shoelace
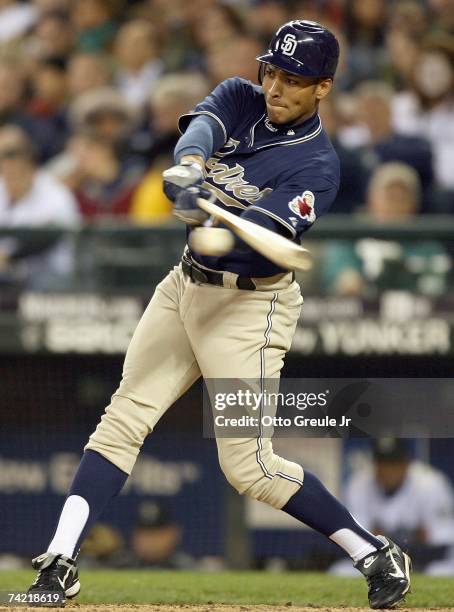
(47, 579)
(376, 581)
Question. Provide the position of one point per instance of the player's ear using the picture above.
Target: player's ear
(323, 88)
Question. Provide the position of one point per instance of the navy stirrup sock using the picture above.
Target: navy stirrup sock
(97, 480)
(314, 505)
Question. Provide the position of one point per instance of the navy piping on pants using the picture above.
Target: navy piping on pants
(266, 473)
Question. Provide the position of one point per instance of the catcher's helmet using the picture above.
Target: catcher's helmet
(305, 48)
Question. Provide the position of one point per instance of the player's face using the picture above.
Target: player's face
(390, 474)
(290, 98)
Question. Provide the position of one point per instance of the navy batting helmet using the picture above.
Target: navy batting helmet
(305, 48)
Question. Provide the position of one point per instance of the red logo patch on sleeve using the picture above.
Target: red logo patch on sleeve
(303, 206)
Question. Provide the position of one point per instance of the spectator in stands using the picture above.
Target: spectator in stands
(383, 144)
(402, 50)
(156, 540)
(104, 546)
(394, 193)
(365, 24)
(408, 499)
(49, 92)
(177, 48)
(351, 133)
(367, 267)
(87, 72)
(174, 95)
(106, 112)
(12, 110)
(53, 36)
(428, 107)
(266, 16)
(31, 197)
(234, 58)
(190, 13)
(104, 183)
(410, 17)
(12, 91)
(139, 66)
(353, 171)
(221, 23)
(95, 24)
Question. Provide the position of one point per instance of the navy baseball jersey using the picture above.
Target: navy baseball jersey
(290, 174)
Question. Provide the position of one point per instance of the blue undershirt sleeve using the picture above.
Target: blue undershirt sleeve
(204, 136)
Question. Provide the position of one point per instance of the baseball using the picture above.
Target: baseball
(214, 241)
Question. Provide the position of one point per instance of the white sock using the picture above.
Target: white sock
(72, 521)
(353, 544)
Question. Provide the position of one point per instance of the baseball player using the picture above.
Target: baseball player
(263, 153)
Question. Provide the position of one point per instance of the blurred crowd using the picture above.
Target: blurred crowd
(91, 90)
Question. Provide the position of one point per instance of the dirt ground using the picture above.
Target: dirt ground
(74, 607)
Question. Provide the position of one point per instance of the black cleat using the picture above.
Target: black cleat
(57, 575)
(387, 572)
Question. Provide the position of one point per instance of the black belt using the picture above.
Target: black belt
(200, 275)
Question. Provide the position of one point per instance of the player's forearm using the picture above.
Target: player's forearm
(202, 138)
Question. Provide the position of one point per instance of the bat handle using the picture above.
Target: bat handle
(210, 222)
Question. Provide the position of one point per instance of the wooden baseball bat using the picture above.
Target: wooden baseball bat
(276, 248)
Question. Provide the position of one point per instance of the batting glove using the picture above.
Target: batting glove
(181, 176)
(186, 207)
